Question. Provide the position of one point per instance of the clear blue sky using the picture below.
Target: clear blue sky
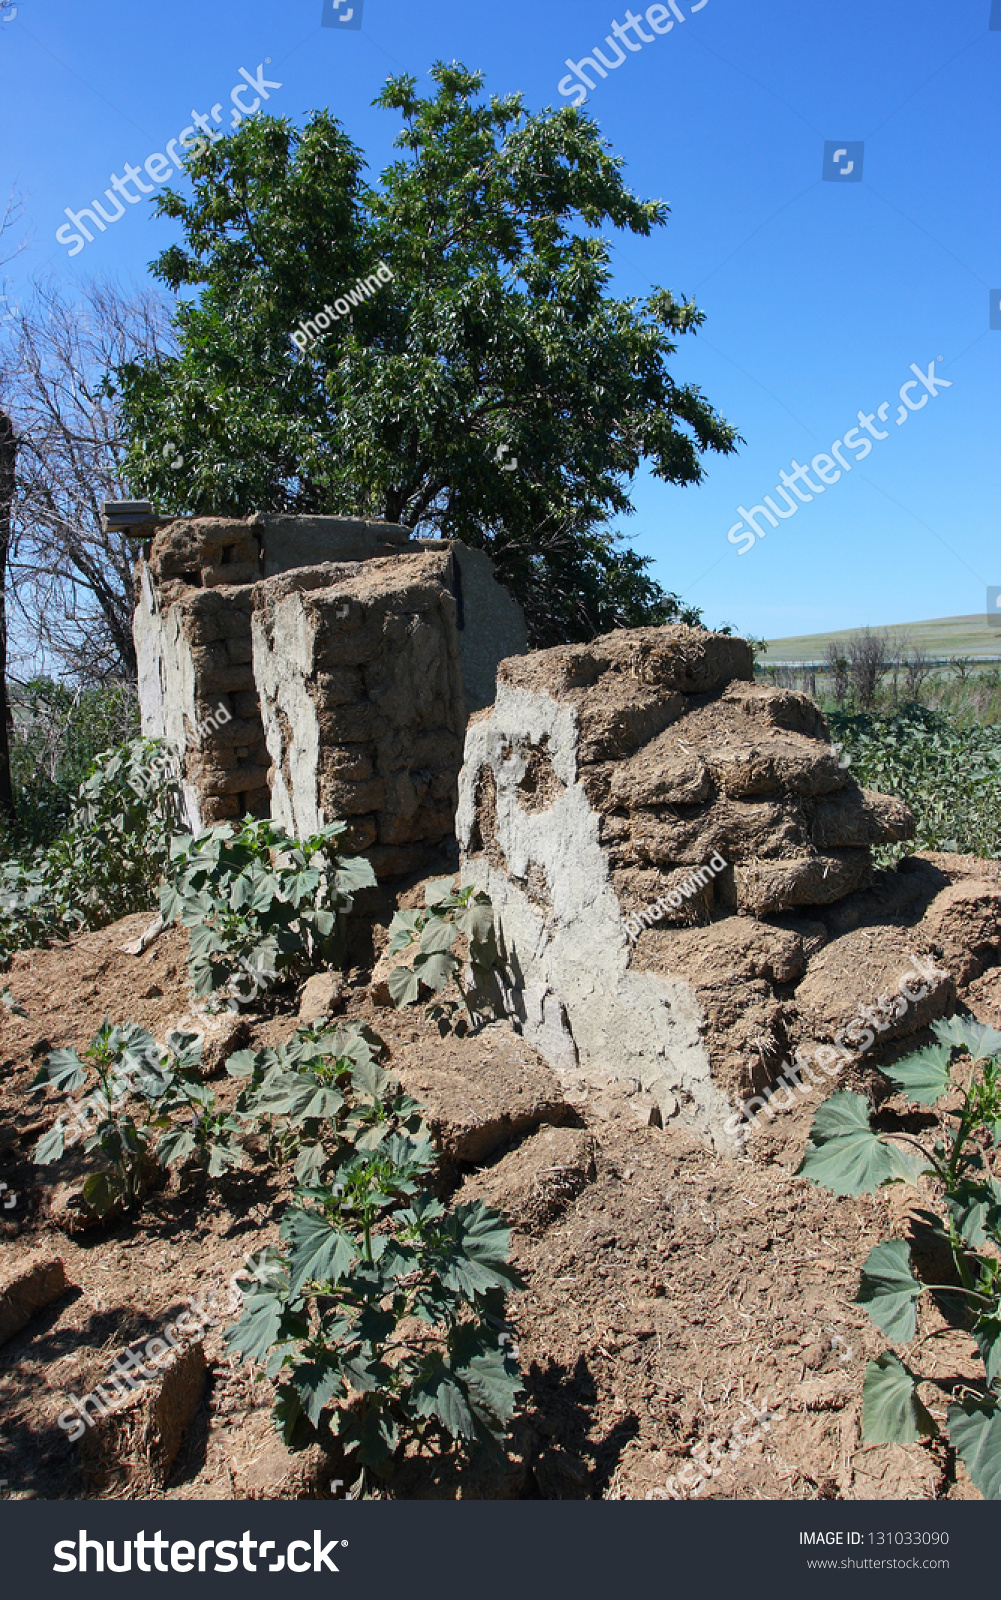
(819, 295)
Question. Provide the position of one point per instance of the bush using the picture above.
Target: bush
(296, 1092)
(383, 1314)
(950, 777)
(848, 1157)
(260, 908)
(128, 1063)
(57, 735)
(436, 929)
(107, 862)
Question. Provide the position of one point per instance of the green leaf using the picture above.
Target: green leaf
(975, 1210)
(287, 1414)
(924, 1076)
(51, 1145)
(438, 890)
(177, 1145)
(101, 1191)
(404, 930)
(975, 1432)
(403, 985)
(436, 1393)
(892, 1413)
(477, 922)
(846, 1156)
(439, 934)
(354, 872)
(889, 1290)
(493, 1384)
(317, 1380)
(241, 1064)
(309, 1162)
(987, 1332)
(224, 1156)
(436, 970)
(262, 1324)
(963, 1033)
(373, 1434)
(318, 1249)
(62, 1070)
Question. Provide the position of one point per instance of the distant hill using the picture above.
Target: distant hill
(944, 636)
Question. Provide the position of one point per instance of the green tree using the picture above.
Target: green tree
(494, 342)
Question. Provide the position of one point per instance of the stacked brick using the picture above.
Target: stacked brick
(360, 681)
(195, 663)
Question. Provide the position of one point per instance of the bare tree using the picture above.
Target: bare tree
(868, 662)
(837, 667)
(899, 647)
(8, 460)
(72, 580)
(918, 669)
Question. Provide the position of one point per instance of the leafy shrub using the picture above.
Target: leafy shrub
(322, 1094)
(260, 908)
(436, 929)
(950, 777)
(109, 859)
(57, 735)
(128, 1062)
(383, 1316)
(847, 1156)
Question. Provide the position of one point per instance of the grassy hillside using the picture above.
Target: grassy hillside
(943, 636)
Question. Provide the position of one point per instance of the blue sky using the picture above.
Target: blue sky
(819, 295)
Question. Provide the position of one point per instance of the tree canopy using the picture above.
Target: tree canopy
(492, 389)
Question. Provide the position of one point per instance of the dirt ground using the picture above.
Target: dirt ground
(680, 1307)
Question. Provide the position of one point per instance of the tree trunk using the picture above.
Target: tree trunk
(8, 455)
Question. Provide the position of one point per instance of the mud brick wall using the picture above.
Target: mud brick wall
(360, 679)
(192, 633)
(193, 636)
(601, 779)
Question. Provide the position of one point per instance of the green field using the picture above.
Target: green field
(944, 636)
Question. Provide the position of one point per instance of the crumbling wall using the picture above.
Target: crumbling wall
(196, 678)
(193, 635)
(360, 679)
(647, 768)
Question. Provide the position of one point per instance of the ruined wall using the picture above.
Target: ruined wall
(196, 679)
(360, 679)
(607, 777)
(193, 636)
